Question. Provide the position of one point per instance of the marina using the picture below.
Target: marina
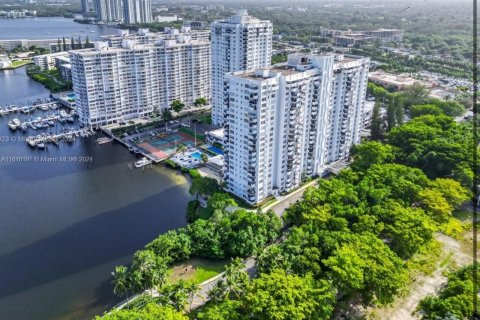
(91, 212)
(40, 141)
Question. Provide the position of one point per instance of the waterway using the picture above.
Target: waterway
(65, 224)
(50, 28)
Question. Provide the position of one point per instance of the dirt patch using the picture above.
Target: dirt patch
(452, 253)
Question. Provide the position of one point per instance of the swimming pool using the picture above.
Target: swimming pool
(71, 95)
(196, 155)
(215, 150)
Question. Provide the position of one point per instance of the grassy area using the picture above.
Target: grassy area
(196, 270)
(51, 79)
(204, 213)
(19, 63)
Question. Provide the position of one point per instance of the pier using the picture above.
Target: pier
(12, 109)
(68, 136)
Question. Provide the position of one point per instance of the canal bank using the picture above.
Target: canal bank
(66, 224)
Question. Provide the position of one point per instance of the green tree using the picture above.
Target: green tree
(391, 115)
(166, 115)
(424, 109)
(365, 264)
(369, 153)
(177, 106)
(283, 296)
(415, 94)
(451, 190)
(120, 281)
(454, 301)
(433, 202)
(225, 310)
(151, 311)
(204, 185)
(399, 110)
(376, 129)
(175, 245)
(200, 102)
(206, 240)
(204, 158)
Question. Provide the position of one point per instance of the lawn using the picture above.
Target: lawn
(51, 79)
(197, 270)
(19, 63)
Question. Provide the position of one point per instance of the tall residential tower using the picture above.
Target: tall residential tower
(115, 84)
(137, 11)
(239, 43)
(109, 10)
(287, 122)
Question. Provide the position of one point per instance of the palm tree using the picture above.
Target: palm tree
(121, 281)
(236, 278)
(204, 158)
(136, 281)
(191, 289)
(181, 148)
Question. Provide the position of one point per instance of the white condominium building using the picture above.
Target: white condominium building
(287, 122)
(239, 43)
(137, 11)
(350, 79)
(145, 36)
(109, 10)
(116, 84)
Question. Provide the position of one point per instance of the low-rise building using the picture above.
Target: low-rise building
(216, 136)
(5, 61)
(51, 60)
(396, 82)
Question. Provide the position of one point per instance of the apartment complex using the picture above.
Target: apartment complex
(114, 84)
(137, 11)
(349, 38)
(127, 11)
(239, 43)
(109, 10)
(87, 7)
(287, 122)
(144, 36)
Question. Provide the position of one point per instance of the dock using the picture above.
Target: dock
(68, 136)
(12, 109)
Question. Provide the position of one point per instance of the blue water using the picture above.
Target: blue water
(71, 95)
(196, 155)
(64, 225)
(215, 150)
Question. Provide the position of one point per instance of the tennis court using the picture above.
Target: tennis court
(164, 146)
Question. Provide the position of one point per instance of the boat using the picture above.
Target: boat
(69, 119)
(32, 142)
(104, 140)
(41, 145)
(61, 120)
(13, 124)
(136, 151)
(34, 127)
(44, 107)
(23, 127)
(50, 123)
(131, 149)
(143, 162)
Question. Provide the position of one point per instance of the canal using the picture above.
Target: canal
(65, 224)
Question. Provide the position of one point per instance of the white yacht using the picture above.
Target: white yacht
(143, 162)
